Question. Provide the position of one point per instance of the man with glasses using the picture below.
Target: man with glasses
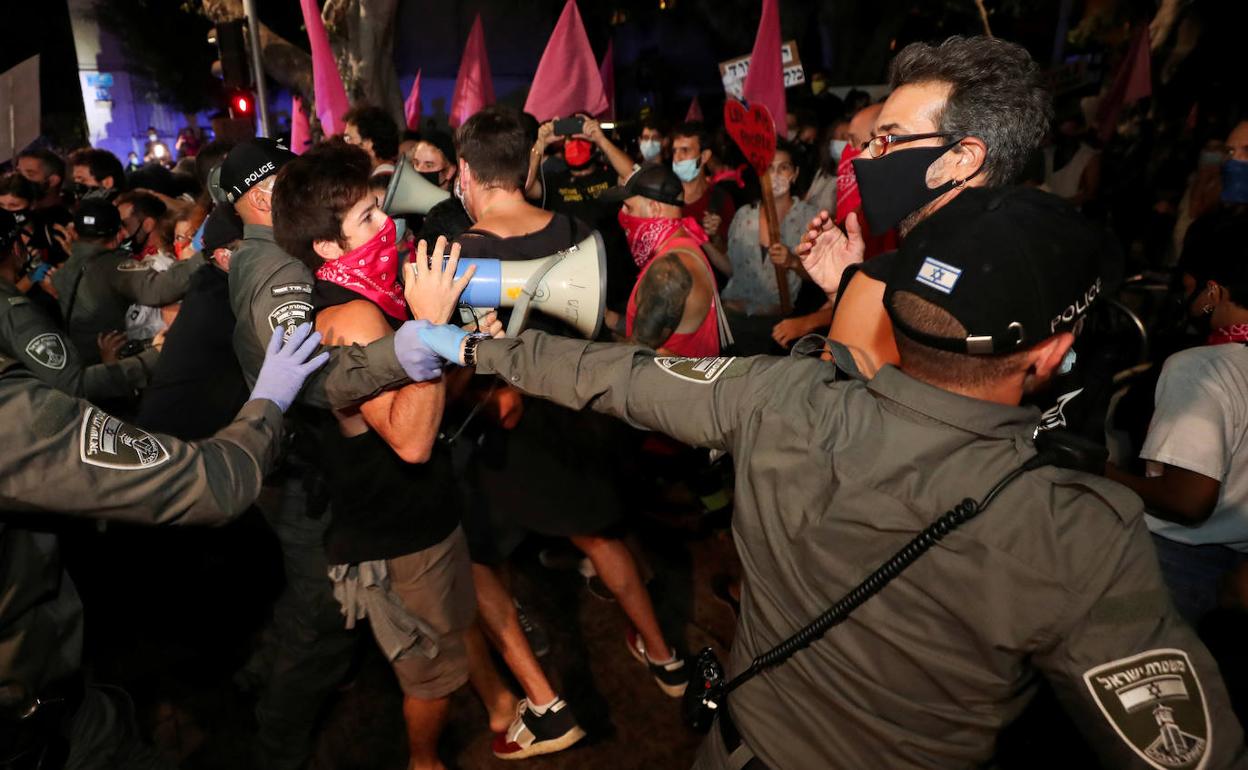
(965, 113)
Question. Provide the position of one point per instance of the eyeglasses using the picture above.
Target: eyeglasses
(876, 146)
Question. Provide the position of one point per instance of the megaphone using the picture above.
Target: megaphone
(570, 285)
(411, 193)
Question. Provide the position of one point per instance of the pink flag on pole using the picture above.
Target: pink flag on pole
(1134, 81)
(331, 98)
(474, 87)
(764, 83)
(300, 131)
(567, 80)
(411, 108)
(607, 73)
(695, 112)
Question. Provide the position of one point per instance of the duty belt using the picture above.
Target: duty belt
(740, 757)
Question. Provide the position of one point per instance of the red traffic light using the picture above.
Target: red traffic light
(242, 105)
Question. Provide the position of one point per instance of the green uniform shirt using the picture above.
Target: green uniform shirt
(1058, 578)
(63, 456)
(28, 335)
(270, 288)
(96, 287)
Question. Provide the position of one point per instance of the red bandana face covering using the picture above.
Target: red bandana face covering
(847, 196)
(645, 235)
(1232, 333)
(371, 271)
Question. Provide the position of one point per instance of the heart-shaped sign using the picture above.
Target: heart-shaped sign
(754, 132)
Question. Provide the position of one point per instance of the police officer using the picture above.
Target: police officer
(1056, 578)
(64, 457)
(98, 283)
(30, 337)
(307, 651)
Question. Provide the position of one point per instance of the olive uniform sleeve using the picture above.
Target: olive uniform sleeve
(353, 373)
(1132, 674)
(31, 337)
(145, 286)
(700, 401)
(65, 455)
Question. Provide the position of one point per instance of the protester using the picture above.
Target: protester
(96, 172)
(45, 169)
(373, 130)
(822, 190)
(674, 308)
(652, 143)
(707, 204)
(434, 158)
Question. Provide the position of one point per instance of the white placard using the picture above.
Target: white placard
(733, 71)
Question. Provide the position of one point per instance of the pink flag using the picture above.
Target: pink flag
(331, 98)
(764, 83)
(567, 80)
(411, 108)
(607, 73)
(1134, 81)
(694, 115)
(474, 88)
(300, 132)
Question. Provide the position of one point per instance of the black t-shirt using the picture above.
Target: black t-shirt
(383, 507)
(447, 219)
(577, 197)
(197, 386)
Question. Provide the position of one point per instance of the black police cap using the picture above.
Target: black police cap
(250, 163)
(97, 218)
(656, 182)
(1014, 266)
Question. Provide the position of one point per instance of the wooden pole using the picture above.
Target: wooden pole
(773, 236)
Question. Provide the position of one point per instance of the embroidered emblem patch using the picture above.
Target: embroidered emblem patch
(282, 290)
(700, 370)
(132, 266)
(110, 443)
(48, 350)
(938, 275)
(290, 315)
(1156, 705)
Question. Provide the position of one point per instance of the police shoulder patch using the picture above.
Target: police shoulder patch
(1156, 705)
(281, 290)
(48, 350)
(107, 442)
(16, 301)
(131, 266)
(700, 370)
(290, 314)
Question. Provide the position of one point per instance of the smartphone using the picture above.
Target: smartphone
(569, 126)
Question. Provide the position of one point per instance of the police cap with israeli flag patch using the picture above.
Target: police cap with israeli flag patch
(1014, 266)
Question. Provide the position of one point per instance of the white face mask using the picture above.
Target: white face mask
(650, 148)
(837, 147)
(780, 185)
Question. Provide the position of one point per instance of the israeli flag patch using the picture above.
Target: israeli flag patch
(938, 275)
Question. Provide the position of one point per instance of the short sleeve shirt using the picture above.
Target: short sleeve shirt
(1201, 424)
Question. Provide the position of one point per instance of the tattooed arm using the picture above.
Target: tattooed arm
(661, 301)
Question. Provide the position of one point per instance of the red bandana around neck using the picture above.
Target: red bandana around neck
(1232, 333)
(372, 271)
(645, 235)
(847, 196)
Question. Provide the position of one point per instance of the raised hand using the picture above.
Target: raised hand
(431, 290)
(825, 251)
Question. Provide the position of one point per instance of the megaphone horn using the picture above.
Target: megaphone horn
(570, 285)
(411, 193)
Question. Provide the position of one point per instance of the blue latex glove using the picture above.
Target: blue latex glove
(418, 359)
(39, 273)
(446, 340)
(287, 365)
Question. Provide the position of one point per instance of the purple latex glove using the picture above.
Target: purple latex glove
(419, 360)
(287, 365)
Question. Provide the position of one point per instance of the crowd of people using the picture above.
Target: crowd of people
(948, 296)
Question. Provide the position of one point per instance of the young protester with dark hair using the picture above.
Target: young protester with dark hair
(373, 130)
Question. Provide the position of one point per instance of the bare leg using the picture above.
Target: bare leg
(499, 701)
(618, 570)
(497, 615)
(425, 719)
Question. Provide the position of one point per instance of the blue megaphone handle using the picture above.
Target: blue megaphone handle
(486, 287)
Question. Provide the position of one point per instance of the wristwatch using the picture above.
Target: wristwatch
(470, 348)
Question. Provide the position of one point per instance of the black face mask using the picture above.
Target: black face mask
(135, 242)
(432, 177)
(895, 185)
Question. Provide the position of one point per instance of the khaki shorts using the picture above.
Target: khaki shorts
(436, 585)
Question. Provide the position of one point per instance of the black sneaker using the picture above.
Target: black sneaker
(672, 677)
(536, 635)
(530, 735)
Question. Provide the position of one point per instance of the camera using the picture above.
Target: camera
(705, 693)
(569, 126)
